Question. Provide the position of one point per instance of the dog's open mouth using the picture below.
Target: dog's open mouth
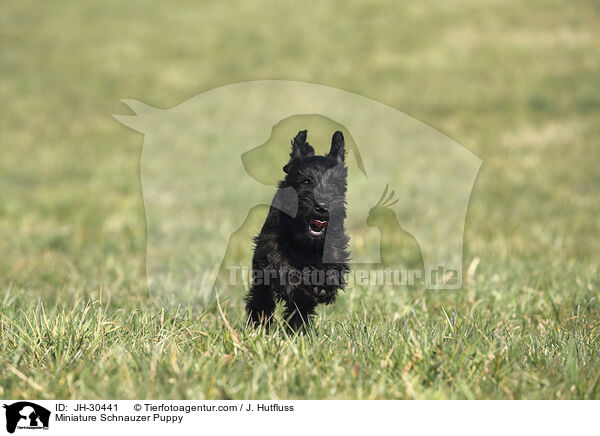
(317, 227)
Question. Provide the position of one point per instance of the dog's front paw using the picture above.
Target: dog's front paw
(321, 295)
(319, 292)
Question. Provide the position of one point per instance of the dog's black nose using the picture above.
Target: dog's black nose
(321, 207)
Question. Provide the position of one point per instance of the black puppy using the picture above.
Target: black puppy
(301, 254)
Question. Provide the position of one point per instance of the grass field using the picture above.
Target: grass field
(515, 82)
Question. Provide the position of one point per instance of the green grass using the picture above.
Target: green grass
(514, 82)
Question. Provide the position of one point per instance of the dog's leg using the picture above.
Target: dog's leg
(299, 311)
(260, 303)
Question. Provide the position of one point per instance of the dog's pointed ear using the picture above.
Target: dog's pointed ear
(338, 145)
(300, 148)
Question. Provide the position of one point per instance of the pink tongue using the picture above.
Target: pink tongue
(319, 223)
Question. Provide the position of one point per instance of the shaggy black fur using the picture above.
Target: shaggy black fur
(301, 254)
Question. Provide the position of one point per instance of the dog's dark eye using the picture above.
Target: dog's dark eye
(305, 182)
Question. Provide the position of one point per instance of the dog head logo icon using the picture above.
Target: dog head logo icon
(26, 415)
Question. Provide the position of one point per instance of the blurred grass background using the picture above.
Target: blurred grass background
(515, 82)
